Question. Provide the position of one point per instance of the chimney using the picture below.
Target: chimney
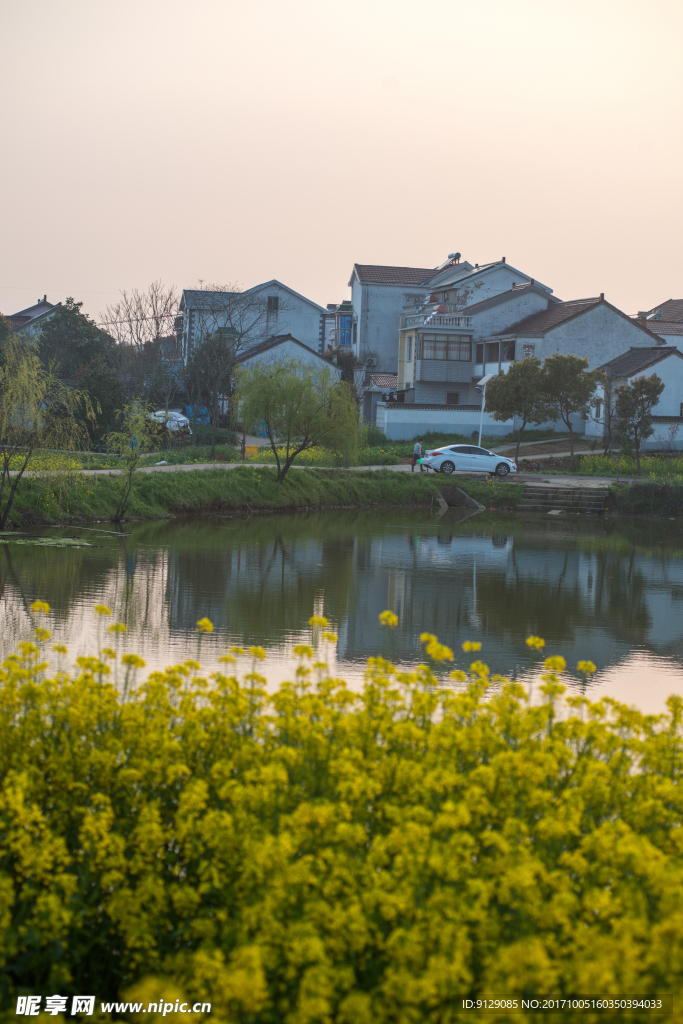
(602, 296)
(531, 280)
(503, 260)
(44, 298)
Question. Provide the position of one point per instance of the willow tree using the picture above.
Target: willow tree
(37, 410)
(300, 405)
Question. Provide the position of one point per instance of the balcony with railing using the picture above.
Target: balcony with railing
(437, 319)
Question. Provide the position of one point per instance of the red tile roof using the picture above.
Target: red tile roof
(385, 380)
(371, 274)
(672, 309)
(556, 313)
(638, 359)
(665, 326)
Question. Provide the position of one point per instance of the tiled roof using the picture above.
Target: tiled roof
(556, 313)
(665, 327)
(638, 359)
(271, 343)
(371, 274)
(494, 300)
(672, 309)
(385, 380)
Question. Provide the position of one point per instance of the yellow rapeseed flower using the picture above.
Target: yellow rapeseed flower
(117, 627)
(471, 645)
(388, 618)
(586, 666)
(535, 641)
(102, 609)
(41, 607)
(556, 663)
(204, 625)
(318, 620)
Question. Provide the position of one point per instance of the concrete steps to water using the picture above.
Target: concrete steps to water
(586, 500)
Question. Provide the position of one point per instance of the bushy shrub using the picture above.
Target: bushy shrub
(315, 854)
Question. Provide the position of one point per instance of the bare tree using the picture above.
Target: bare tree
(222, 322)
(143, 325)
(225, 310)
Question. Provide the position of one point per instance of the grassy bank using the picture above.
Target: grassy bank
(491, 493)
(76, 497)
(648, 498)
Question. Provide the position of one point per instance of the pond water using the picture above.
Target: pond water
(607, 590)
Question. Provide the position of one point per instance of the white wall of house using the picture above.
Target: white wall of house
(669, 407)
(290, 350)
(477, 287)
(674, 340)
(403, 422)
(599, 334)
(378, 309)
(296, 315)
(498, 318)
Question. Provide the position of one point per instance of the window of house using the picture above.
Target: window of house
(273, 303)
(680, 411)
(492, 350)
(480, 353)
(598, 408)
(452, 398)
(344, 330)
(409, 349)
(529, 351)
(443, 346)
(508, 351)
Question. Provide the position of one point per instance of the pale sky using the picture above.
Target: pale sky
(241, 141)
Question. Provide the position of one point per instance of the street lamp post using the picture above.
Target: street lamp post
(481, 388)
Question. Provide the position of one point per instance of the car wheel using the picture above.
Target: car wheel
(447, 467)
(502, 469)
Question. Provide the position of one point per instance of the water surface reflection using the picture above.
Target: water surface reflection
(611, 591)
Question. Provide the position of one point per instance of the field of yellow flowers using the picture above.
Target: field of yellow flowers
(320, 855)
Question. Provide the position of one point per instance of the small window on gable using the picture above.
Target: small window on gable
(452, 398)
(273, 302)
(409, 349)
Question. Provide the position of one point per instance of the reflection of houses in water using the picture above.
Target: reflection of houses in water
(590, 593)
(595, 604)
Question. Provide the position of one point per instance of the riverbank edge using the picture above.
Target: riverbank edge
(645, 500)
(72, 498)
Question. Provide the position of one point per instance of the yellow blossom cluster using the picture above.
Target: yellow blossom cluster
(312, 854)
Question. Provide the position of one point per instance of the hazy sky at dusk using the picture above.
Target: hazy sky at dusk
(237, 142)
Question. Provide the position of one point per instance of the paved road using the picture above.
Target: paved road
(522, 478)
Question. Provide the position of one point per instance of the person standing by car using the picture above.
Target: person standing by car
(417, 454)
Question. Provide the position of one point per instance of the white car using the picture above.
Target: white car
(469, 459)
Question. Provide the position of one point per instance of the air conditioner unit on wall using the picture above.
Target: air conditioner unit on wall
(371, 362)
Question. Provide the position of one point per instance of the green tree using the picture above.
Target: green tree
(214, 364)
(634, 404)
(70, 340)
(36, 410)
(136, 436)
(302, 406)
(569, 386)
(519, 392)
(106, 392)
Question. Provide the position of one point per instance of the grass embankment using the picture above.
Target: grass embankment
(648, 498)
(75, 497)
(491, 493)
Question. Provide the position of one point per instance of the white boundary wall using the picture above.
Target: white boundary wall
(403, 422)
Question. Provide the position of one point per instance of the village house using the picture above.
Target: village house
(445, 350)
(381, 295)
(665, 321)
(267, 310)
(32, 319)
(667, 419)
